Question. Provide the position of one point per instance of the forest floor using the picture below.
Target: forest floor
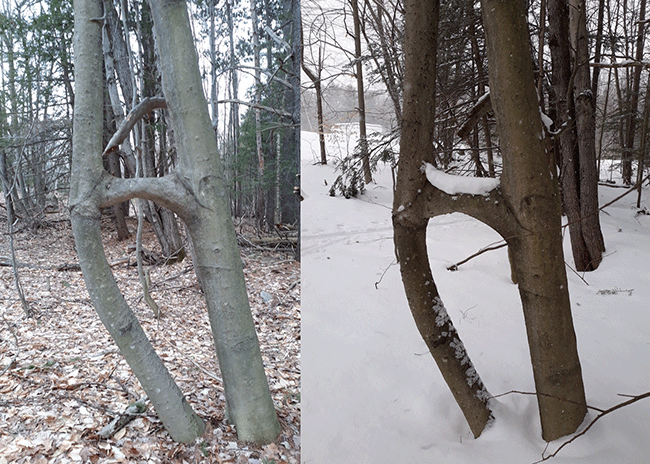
(63, 379)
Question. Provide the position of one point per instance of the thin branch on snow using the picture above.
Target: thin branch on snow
(602, 412)
(634, 399)
(454, 267)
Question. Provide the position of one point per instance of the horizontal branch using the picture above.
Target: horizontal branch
(282, 113)
(489, 209)
(168, 191)
(621, 64)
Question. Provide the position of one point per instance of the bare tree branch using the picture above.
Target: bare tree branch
(145, 106)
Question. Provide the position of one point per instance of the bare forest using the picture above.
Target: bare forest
(123, 339)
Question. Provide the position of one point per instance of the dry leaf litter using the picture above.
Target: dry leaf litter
(64, 378)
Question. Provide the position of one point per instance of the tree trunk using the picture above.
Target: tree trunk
(248, 399)
(435, 326)
(530, 189)
(174, 411)
(260, 207)
(315, 78)
(643, 149)
(197, 193)
(584, 103)
(598, 49)
(577, 151)
(234, 106)
(361, 99)
(628, 149)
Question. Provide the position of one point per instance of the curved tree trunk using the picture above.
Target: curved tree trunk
(525, 211)
(176, 414)
(409, 224)
(196, 192)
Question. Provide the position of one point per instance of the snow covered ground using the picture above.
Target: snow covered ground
(371, 393)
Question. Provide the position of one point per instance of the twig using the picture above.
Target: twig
(393, 262)
(11, 363)
(576, 273)
(634, 399)
(454, 267)
(546, 395)
(132, 411)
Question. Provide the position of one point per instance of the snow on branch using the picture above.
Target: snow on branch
(454, 185)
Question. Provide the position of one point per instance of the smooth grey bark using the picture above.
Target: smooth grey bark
(87, 172)
(197, 193)
(250, 407)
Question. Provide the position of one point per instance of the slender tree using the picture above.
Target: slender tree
(196, 192)
(361, 99)
(524, 210)
(410, 224)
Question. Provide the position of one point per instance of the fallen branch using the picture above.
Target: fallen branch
(132, 411)
(4, 261)
(268, 241)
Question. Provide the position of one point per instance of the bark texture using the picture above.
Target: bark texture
(530, 191)
(176, 414)
(248, 399)
(196, 192)
(410, 223)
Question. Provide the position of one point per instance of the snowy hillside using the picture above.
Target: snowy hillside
(371, 393)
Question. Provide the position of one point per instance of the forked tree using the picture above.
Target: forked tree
(524, 210)
(196, 192)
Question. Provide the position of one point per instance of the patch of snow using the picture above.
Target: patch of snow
(454, 185)
(372, 393)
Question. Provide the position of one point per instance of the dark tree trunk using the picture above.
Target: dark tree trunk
(361, 99)
(532, 195)
(576, 154)
(628, 149)
(584, 103)
(431, 318)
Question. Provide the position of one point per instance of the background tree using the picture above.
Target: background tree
(574, 112)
